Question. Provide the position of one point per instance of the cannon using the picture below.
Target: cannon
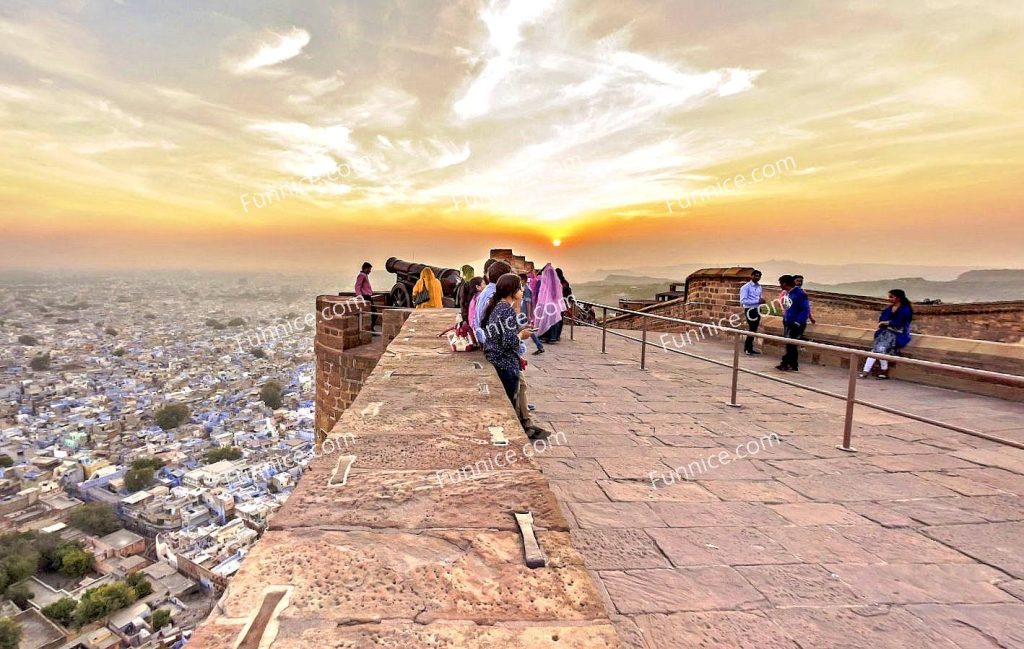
(408, 273)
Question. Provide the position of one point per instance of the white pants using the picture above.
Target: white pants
(868, 364)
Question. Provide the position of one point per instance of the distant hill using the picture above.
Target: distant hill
(971, 286)
(612, 287)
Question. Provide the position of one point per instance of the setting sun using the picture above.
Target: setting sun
(556, 242)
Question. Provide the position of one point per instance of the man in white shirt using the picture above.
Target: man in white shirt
(751, 300)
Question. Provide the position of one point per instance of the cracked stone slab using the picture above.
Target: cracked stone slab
(420, 500)
(997, 544)
(983, 625)
(856, 628)
(923, 583)
(360, 576)
(680, 589)
(714, 630)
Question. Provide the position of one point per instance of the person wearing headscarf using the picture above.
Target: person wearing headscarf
(427, 293)
(893, 331)
(547, 301)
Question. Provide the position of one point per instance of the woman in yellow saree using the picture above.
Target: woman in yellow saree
(427, 293)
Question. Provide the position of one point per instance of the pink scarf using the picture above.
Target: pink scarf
(547, 308)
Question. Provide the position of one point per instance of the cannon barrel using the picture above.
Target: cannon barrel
(408, 273)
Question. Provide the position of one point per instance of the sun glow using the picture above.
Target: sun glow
(556, 242)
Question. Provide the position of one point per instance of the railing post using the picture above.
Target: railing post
(572, 321)
(735, 370)
(604, 329)
(643, 344)
(851, 396)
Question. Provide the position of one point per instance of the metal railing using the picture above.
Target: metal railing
(855, 356)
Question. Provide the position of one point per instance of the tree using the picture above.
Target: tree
(27, 340)
(172, 415)
(236, 322)
(10, 633)
(110, 331)
(259, 352)
(139, 584)
(6, 461)
(272, 395)
(467, 272)
(40, 362)
(102, 601)
(76, 562)
(138, 479)
(161, 618)
(97, 519)
(225, 453)
(214, 323)
(62, 611)
(19, 557)
(154, 463)
(19, 594)
(119, 352)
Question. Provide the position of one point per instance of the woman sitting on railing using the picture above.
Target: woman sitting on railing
(893, 332)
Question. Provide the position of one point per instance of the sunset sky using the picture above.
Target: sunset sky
(139, 134)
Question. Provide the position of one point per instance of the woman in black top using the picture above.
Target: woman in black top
(504, 340)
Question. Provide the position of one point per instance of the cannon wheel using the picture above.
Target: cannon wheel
(400, 296)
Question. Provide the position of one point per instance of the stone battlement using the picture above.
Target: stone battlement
(401, 533)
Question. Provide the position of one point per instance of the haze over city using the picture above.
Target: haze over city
(139, 135)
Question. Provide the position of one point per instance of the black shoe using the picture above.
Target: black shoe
(540, 350)
(536, 432)
(751, 352)
(782, 367)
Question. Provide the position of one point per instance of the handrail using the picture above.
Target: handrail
(855, 356)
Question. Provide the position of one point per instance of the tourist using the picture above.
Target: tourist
(893, 332)
(365, 291)
(794, 321)
(751, 301)
(493, 269)
(470, 290)
(427, 293)
(526, 309)
(504, 339)
(547, 309)
(799, 281)
(567, 302)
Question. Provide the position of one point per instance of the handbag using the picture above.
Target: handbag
(421, 297)
(461, 337)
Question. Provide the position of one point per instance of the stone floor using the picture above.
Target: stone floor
(917, 539)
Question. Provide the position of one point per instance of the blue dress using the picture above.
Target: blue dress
(891, 339)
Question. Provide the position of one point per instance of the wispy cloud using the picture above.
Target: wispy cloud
(273, 49)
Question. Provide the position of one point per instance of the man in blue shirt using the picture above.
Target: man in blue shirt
(751, 300)
(794, 321)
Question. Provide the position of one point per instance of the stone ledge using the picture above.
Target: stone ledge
(394, 557)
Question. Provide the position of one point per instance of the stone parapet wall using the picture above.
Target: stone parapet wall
(713, 294)
(402, 533)
(346, 353)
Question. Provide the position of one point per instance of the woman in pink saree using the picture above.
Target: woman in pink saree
(547, 309)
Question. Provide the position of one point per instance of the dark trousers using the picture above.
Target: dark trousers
(793, 330)
(554, 333)
(510, 381)
(753, 322)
